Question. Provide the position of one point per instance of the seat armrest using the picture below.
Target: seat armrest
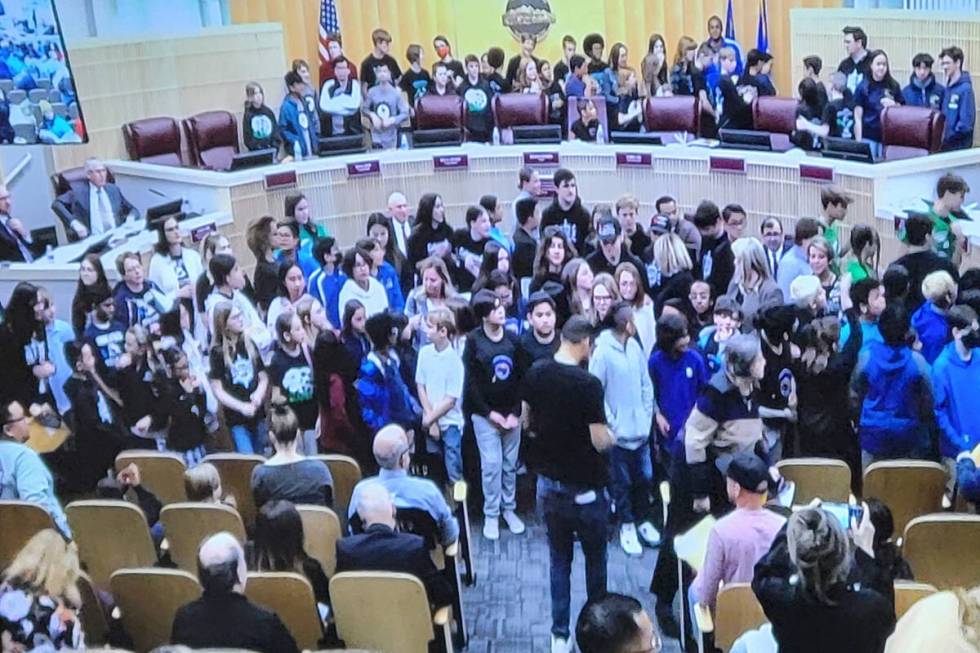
(441, 616)
(702, 615)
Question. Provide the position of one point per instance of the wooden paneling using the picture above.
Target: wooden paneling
(902, 34)
(120, 81)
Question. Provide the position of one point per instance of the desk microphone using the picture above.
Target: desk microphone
(158, 193)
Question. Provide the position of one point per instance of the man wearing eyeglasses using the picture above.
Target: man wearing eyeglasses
(23, 475)
(616, 623)
(15, 239)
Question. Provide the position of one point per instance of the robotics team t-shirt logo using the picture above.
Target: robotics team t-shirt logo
(503, 365)
(383, 111)
(242, 372)
(476, 100)
(298, 384)
(261, 126)
(786, 381)
(528, 18)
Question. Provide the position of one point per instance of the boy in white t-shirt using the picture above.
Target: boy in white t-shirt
(439, 375)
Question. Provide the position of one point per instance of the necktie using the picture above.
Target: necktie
(108, 222)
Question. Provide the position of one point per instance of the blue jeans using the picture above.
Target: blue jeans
(628, 470)
(250, 438)
(565, 518)
(452, 438)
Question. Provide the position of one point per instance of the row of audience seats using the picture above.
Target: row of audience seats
(212, 138)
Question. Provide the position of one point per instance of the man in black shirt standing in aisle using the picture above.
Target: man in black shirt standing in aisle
(379, 57)
(566, 404)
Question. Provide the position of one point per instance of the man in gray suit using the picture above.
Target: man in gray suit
(96, 206)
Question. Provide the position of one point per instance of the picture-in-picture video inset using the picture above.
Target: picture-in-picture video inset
(38, 100)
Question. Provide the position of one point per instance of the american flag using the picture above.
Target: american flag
(328, 25)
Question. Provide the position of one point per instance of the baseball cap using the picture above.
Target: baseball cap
(746, 469)
(660, 224)
(608, 229)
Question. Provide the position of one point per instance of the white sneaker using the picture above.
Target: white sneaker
(491, 528)
(649, 534)
(514, 522)
(628, 540)
(559, 645)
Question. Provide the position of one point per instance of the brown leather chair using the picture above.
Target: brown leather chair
(600, 107)
(908, 132)
(518, 110)
(62, 181)
(776, 115)
(213, 139)
(665, 116)
(440, 112)
(153, 140)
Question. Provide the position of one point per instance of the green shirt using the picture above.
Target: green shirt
(857, 271)
(943, 238)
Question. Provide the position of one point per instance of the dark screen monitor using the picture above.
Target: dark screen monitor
(635, 138)
(436, 137)
(335, 145)
(848, 150)
(155, 214)
(254, 159)
(744, 139)
(536, 134)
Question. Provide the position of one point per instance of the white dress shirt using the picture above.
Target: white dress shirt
(402, 231)
(100, 210)
(24, 251)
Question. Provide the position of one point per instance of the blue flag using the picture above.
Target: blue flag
(730, 22)
(762, 33)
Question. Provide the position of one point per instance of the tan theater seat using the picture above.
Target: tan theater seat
(162, 472)
(148, 600)
(943, 550)
(321, 530)
(235, 470)
(387, 612)
(908, 594)
(93, 615)
(188, 524)
(736, 611)
(908, 487)
(291, 597)
(20, 520)
(110, 535)
(346, 473)
(826, 478)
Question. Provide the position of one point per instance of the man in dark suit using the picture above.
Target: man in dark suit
(401, 219)
(96, 206)
(774, 243)
(15, 240)
(223, 617)
(381, 548)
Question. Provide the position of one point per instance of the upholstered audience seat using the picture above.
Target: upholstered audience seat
(908, 132)
(153, 140)
(440, 112)
(666, 116)
(776, 115)
(213, 139)
(517, 110)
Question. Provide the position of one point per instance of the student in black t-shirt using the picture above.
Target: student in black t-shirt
(291, 377)
(540, 342)
(444, 54)
(567, 211)
(733, 104)
(565, 403)
(442, 83)
(238, 379)
(586, 128)
(476, 93)
(382, 45)
(812, 66)
(468, 246)
(838, 114)
(810, 125)
(491, 62)
(563, 66)
(525, 244)
(528, 42)
(416, 80)
(856, 66)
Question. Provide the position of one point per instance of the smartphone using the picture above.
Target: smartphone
(844, 512)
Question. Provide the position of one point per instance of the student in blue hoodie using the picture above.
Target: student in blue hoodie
(298, 123)
(325, 283)
(930, 321)
(892, 390)
(959, 104)
(381, 392)
(867, 301)
(955, 379)
(923, 90)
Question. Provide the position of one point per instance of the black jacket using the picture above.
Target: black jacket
(218, 620)
(599, 263)
(860, 622)
(575, 222)
(525, 247)
(9, 248)
(717, 263)
(379, 548)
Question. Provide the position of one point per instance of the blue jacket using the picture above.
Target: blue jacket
(968, 479)
(960, 109)
(869, 334)
(894, 389)
(290, 128)
(929, 95)
(933, 329)
(677, 382)
(383, 396)
(388, 277)
(954, 384)
(325, 288)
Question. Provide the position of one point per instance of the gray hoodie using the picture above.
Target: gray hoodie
(628, 391)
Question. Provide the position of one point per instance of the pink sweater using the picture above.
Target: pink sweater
(735, 544)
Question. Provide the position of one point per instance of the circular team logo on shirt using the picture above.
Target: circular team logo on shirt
(310, 104)
(298, 384)
(528, 18)
(242, 372)
(785, 383)
(383, 111)
(261, 126)
(304, 122)
(502, 367)
(476, 100)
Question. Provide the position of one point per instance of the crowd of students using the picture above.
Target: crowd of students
(702, 340)
(380, 97)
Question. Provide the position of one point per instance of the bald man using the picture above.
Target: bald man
(381, 548)
(393, 452)
(223, 617)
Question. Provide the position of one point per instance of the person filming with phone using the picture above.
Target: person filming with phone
(821, 586)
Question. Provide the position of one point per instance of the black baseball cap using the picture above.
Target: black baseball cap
(608, 229)
(746, 469)
(660, 224)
